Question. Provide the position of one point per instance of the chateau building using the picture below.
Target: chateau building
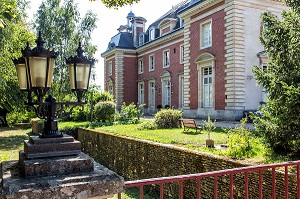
(198, 57)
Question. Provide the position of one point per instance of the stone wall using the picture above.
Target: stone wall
(138, 159)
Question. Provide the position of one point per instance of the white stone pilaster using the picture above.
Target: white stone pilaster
(119, 74)
(235, 56)
(187, 64)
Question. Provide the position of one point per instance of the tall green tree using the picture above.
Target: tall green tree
(13, 37)
(63, 28)
(117, 3)
(280, 121)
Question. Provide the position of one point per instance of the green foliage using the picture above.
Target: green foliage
(102, 96)
(13, 37)
(72, 29)
(279, 123)
(168, 118)
(209, 126)
(20, 117)
(147, 125)
(117, 3)
(241, 142)
(128, 114)
(104, 111)
(79, 114)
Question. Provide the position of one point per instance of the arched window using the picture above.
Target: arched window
(206, 73)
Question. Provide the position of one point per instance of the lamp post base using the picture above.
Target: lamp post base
(51, 130)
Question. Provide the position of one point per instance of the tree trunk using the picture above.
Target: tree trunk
(3, 121)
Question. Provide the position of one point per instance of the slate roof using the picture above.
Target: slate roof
(121, 40)
(124, 40)
(191, 4)
(170, 14)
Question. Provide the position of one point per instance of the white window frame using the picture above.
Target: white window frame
(151, 62)
(202, 34)
(141, 66)
(182, 54)
(141, 93)
(110, 68)
(166, 58)
(205, 60)
(151, 34)
(151, 94)
(141, 39)
(207, 84)
(166, 90)
(181, 91)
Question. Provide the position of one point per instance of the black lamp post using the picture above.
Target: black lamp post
(35, 74)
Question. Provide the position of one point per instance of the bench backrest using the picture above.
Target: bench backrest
(189, 123)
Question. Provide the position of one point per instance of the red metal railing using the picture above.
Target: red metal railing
(216, 174)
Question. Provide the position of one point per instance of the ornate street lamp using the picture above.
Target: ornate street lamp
(79, 72)
(35, 74)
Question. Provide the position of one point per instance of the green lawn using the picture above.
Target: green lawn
(11, 140)
(167, 136)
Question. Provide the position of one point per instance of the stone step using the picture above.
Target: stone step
(51, 166)
(37, 147)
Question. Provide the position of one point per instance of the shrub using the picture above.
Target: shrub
(147, 125)
(128, 114)
(241, 142)
(104, 111)
(79, 114)
(168, 118)
(102, 96)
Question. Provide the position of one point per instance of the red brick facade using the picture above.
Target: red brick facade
(213, 36)
(218, 50)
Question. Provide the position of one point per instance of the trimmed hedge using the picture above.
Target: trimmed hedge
(138, 159)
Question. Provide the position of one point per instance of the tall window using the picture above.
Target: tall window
(181, 54)
(141, 66)
(141, 93)
(166, 58)
(152, 95)
(206, 34)
(181, 91)
(207, 87)
(151, 34)
(166, 92)
(151, 63)
(110, 68)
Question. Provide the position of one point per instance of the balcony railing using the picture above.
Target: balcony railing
(283, 168)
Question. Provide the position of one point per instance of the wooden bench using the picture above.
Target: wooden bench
(190, 124)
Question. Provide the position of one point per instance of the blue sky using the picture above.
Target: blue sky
(110, 19)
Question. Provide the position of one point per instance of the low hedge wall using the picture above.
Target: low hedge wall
(139, 159)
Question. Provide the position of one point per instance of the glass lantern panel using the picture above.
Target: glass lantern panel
(50, 73)
(71, 75)
(38, 67)
(82, 76)
(22, 77)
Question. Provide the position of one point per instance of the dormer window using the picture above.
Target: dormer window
(167, 25)
(180, 22)
(141, 39)
(151, 34)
